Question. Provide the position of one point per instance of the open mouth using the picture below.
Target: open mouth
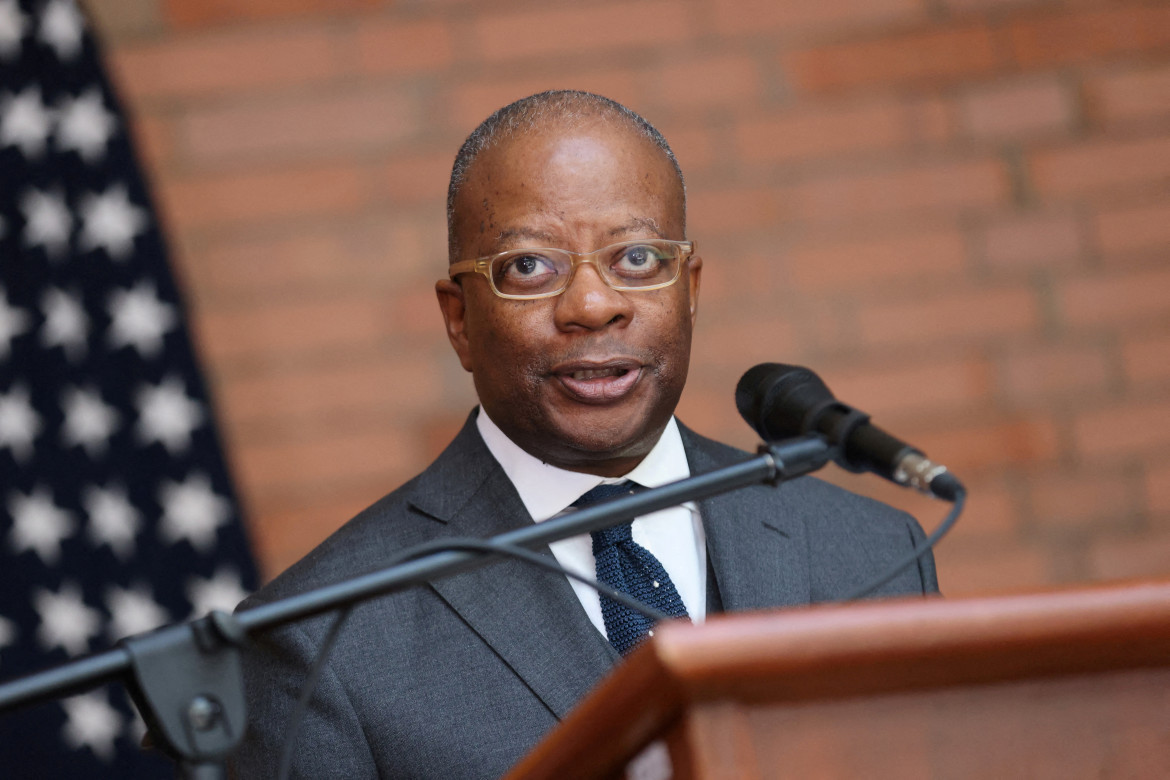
(602, 384)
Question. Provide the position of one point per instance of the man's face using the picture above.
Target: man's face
(586, 380)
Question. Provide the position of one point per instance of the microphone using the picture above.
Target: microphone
(782, 402)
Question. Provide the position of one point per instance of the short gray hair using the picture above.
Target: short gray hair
(560, 105)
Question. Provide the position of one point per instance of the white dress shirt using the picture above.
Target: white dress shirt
(675, 536)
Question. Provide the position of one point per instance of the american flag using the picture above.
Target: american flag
(116, 511)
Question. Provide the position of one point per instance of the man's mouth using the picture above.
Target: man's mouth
(599, 373)
(601, 384)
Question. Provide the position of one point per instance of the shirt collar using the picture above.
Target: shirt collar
(547, 490)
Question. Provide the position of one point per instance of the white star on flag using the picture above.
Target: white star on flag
(25, 122)
(138, 317)
(113, 520)
(192, 510)
(113, 489)
(85, 126)
(47, 221)
(13, 322)
(13, 25)
(132, 611)
(61, 28)
(19, 422)
(66, 324)
(66, 620)
(166, 414)
(38, 524)
(92, 723)
(223, 591)
(89, 421)
(111, 221)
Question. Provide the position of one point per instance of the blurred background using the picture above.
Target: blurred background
(956, 211)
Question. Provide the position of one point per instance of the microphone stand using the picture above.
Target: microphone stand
(187, 679)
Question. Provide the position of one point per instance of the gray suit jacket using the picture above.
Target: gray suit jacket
(460, 678)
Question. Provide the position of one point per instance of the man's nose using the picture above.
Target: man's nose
(588, 302)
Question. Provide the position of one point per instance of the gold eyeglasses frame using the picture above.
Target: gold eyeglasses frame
(483, 266)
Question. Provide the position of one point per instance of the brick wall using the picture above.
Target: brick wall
(957, 211)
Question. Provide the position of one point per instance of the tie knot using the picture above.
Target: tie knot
(602, 492)
(608, 537)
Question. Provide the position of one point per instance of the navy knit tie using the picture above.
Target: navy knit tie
(630, 568)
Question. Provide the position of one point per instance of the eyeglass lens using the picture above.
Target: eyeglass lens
(542, 271)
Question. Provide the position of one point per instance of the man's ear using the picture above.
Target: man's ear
(696, 272)
(454, 308)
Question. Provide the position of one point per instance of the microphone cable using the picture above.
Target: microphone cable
(920, 550)
(469, 544)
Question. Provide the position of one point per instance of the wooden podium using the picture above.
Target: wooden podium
(1065, 684)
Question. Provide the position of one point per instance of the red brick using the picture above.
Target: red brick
(990, 569)
(967, 448)
(215, 64)
(1140, 555)
(284, 533)
(202, 13)
(823, 132)
(373, 386)
(991, 513)
(415, 312)
(1102, 166)
(1157, 487)
(1147, 358)
(346, 456)
(928, 56)
(473, 102)
(975, 6)
(965, 316)
(1119, 431)
(419, 177)
(1116, 299)
(727, 347)
(737, 17)
(1081, 35)
(711, 211)
(883, 259)
(704, 82)
(908, 390)
(211, 200)
(1042, 372)
(320, 124)
(281, 330)
(1134, 229)
(1132, 95)
(583, 30)
(154, 141)
(1027, 241)
(380, 255)
(401, 46)
(1082, 500)
(938, 187)
(1017, 110)
(695, 146)
(932, 121)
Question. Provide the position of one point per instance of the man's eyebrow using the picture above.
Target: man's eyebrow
(637, 225)
(512, 234)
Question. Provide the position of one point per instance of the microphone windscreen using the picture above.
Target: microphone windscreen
(775, 399)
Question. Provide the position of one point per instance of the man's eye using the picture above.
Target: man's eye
(638, 260)
(524, 267)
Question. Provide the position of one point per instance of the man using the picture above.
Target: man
(571, 301)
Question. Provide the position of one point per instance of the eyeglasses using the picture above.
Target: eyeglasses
(523, 274)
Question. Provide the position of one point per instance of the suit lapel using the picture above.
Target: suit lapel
(756, 541)
(529, 617)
